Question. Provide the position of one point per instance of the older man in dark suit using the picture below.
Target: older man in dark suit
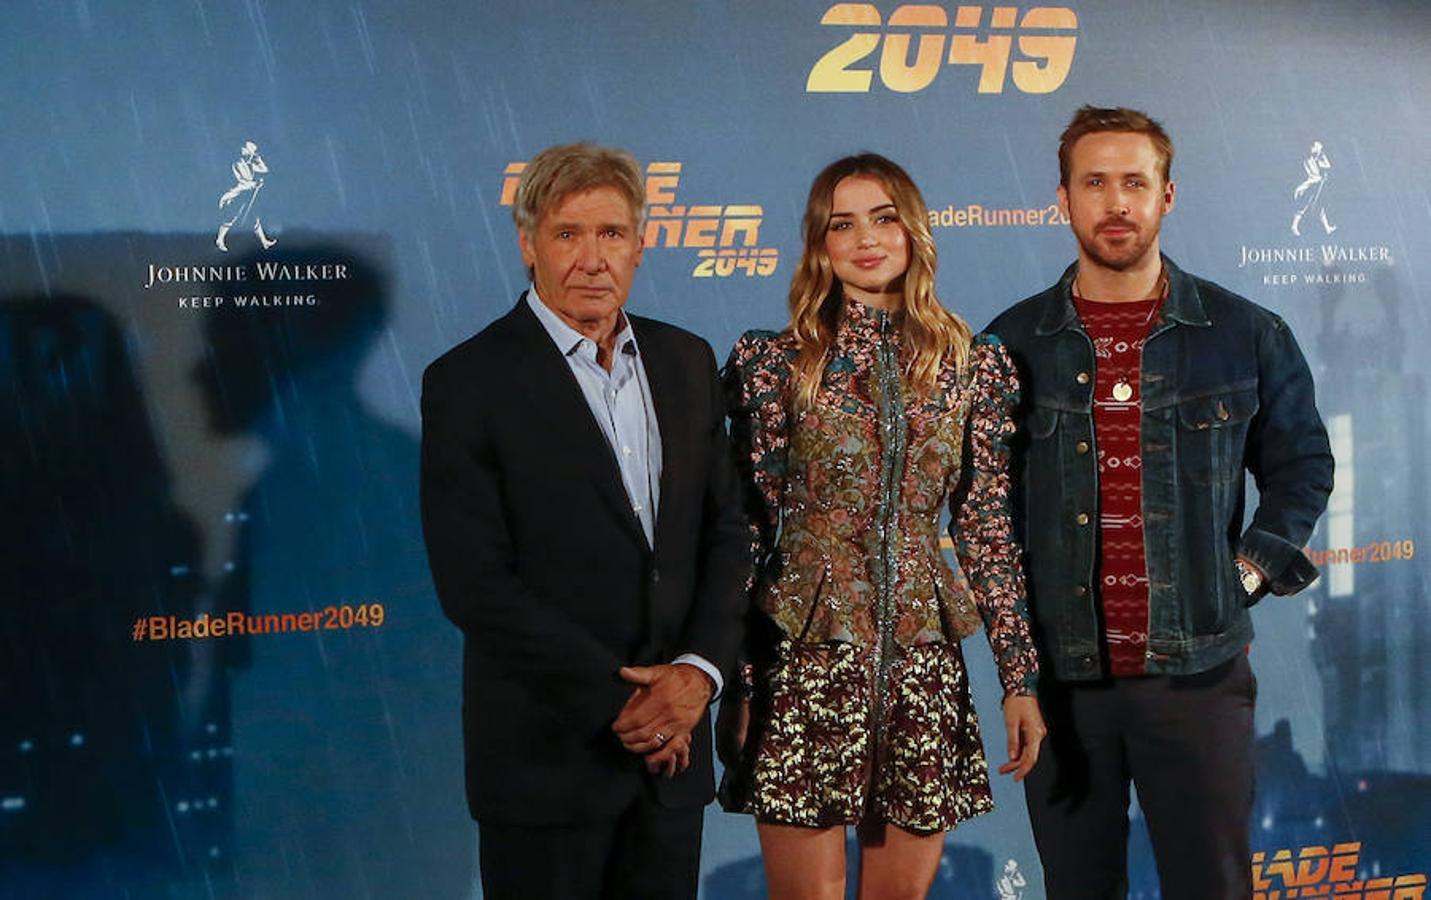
(584, 530)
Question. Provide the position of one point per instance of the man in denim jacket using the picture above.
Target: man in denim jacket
(1149, 394)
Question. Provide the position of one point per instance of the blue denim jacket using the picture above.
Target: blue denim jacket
(1225, 391)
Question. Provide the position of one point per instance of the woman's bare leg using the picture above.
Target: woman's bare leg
(803, 863)
(896, 864)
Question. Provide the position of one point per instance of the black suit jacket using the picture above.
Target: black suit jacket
(539, 559)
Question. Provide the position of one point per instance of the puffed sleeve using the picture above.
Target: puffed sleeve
(756, 378)
(981, 519)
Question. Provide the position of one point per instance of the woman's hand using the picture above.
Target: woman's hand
(732, 726)
(1026, 730)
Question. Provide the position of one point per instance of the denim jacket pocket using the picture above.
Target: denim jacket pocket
(1042, 462)
(1212, 434)
(1041, 421)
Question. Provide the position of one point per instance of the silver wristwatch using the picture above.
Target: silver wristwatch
(1251, 579)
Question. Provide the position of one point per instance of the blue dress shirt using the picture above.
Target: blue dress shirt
(620, 402)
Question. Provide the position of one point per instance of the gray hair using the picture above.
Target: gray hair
(558, 172)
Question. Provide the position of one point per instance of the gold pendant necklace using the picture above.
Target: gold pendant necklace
(1122, 390)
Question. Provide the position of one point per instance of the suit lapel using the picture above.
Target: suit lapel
(555, 392)
(663, 374)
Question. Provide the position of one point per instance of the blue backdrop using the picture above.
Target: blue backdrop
(191, 434)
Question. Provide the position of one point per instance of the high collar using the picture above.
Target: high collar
(860, 323)
(1183, 305)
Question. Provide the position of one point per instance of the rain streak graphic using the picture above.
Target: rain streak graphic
(182, 462)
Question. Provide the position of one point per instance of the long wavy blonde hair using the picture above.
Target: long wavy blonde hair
(816, 297)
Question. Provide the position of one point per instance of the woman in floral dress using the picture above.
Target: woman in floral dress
(853, 428)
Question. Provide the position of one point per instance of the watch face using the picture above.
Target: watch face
(1250, 582)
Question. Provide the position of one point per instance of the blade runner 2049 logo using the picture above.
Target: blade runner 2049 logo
(1309, 255)
(1333, 873)
(238, 270)
(726, 237)
(980, 36)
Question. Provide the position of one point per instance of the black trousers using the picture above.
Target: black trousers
(648, 852)
(1186, 743)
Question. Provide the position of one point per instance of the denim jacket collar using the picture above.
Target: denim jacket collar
(1183, 304)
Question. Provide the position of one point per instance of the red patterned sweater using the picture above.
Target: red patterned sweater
(1118, 331)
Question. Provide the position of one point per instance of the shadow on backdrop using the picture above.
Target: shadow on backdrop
(346, 741)
(93, 747)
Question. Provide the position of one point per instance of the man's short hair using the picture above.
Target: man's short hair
(1093, 119)
(558, 172)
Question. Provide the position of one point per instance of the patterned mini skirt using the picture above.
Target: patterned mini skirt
(821, 752)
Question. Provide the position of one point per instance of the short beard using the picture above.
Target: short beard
(1124, 261)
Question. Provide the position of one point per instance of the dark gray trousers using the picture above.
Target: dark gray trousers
(649, 852)
(1186, 743)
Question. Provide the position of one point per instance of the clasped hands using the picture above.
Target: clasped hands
(662, 711)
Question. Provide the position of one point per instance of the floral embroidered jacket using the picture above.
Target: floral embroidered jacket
(845, 497)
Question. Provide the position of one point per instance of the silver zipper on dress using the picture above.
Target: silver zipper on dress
(893, 438)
